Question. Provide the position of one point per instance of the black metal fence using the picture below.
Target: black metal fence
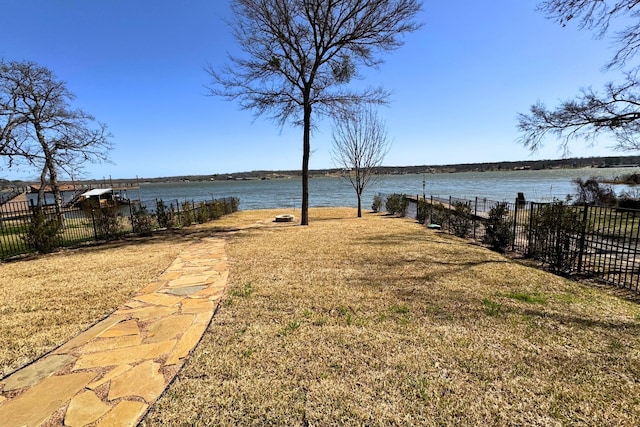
(25, 228)
(597, 241)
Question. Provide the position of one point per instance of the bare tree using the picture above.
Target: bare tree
(615, 111)
(299, 55)
(9, 118)
(40, 126)
(359, 146)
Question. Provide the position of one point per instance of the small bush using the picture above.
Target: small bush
(423, 211)
(592, 192)
(216, 210)
(438, 214)
(165, 217)
(498, 228)
(201, 213)
(43, 234)
(555, 228)
(107, 222)
(187, 216)
(397, 204)
(234, 204)
(631, 179)
(141, 220)
(629, 199)
(461, 221)
(377, 203)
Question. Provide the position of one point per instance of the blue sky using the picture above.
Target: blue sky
(457, 84)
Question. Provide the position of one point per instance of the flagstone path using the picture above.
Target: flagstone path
(110, 374)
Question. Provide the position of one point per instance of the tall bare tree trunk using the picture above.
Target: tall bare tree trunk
(306, 152)
(57, 195)
(43, 184)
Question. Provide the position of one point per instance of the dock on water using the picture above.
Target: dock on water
(479, 207)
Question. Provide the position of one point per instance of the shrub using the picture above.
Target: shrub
(438, 214)
(498, 228)
(141, 220)
(234, 204)
(423, 211)
(107, 222)
(460, 221)
(164, 216)
(396, 204)
(377, 203)
(186, 215)
(555, 230)
(201, 213)
(216, 210)
(629, 199)
(591, 192)
(43, 233)
(632, 179)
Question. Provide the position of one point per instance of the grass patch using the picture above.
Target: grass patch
(492, 308)
(528, 298)
(291, 327)
(242, 291)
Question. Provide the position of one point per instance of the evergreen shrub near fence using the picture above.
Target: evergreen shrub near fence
(43, 232)
(396, 204)
(598, 241)
(499, 228)
(26, 229)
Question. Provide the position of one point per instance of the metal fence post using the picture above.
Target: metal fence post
(583, 232)
(133, 226)
(431, 211)
(515, 227)
(449, 216)
(93, 220)
(475, 218)
(530, 243)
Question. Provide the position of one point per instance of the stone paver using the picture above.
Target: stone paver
(110, 374)
(36, 372)
(85, 408)
(125, 413)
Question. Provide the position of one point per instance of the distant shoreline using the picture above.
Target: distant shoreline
(569, 163)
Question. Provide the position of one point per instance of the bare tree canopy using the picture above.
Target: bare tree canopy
(299, 55)
(360, 144)
(38, 125)
(599, 15)
(614, 111)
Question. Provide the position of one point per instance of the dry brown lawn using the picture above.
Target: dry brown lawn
(48, 300)
(377, 321)
(371, 321)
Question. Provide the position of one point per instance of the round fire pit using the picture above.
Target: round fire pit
(284, 218)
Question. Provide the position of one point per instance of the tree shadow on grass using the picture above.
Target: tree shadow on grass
(181, 235)
(582, 322)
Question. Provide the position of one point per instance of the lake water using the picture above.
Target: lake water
(543, 185)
